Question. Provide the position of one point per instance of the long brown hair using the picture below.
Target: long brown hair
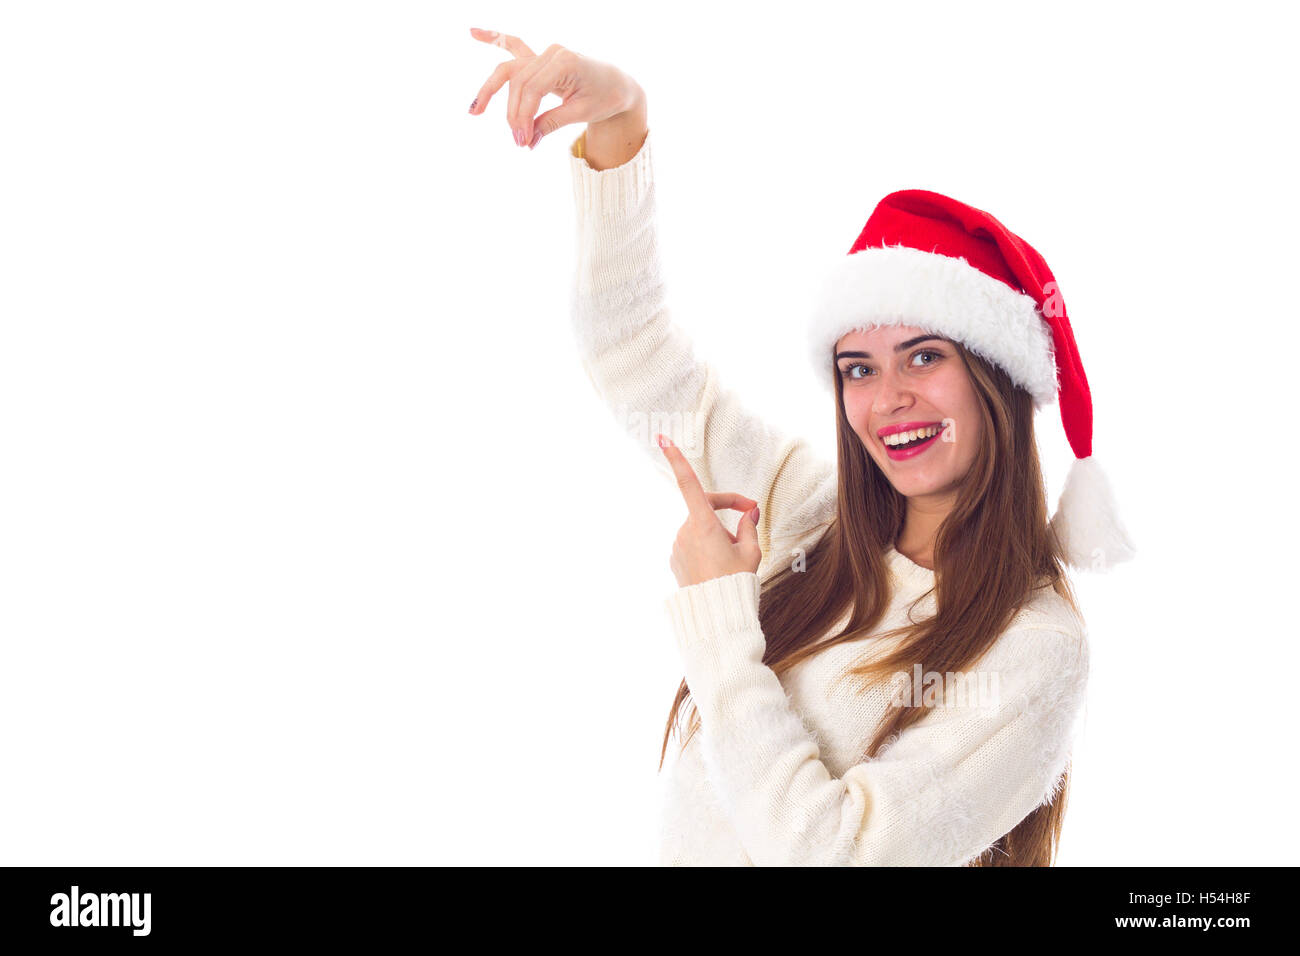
(992, 552)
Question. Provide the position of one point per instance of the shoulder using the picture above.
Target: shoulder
(1039, 652)
(1045, 645)
(1047, 610)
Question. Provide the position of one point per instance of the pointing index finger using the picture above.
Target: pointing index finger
(511, 44)
(689, 483)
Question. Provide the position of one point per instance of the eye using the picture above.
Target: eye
(847, 371)
(931, 352)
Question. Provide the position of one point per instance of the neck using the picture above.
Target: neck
(921, 527)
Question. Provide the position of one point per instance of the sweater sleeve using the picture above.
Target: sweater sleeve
(949, 786)
(643, 365)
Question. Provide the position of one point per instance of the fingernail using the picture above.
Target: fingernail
(537, 138)
(519, 137)
(474, 104)
(754, 514)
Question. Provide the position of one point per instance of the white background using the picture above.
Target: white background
(316, 545)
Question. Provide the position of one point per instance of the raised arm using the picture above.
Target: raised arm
(644, 367)
(640, 363)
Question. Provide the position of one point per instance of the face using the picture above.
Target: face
(901, 375)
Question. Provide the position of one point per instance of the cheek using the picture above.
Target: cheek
(955, 395)
(966, 411)
(858, 412)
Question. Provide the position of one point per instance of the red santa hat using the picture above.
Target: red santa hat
(929, 261)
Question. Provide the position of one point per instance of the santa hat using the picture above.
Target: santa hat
(945, 267)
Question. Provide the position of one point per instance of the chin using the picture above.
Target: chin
(921, 488)
(915, 483)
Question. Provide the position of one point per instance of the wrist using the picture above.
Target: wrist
(613, 141)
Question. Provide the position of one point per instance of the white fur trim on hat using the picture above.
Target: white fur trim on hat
(899, 285)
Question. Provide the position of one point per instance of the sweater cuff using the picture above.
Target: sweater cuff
(620, 188)
(724, 605)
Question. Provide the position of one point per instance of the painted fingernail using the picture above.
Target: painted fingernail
(474, 104)
(537, 138)
(519, 137)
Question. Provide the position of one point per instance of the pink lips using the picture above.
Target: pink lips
(904, 427)
(902, 454)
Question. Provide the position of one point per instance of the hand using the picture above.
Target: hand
(592, 91)
(704, 549)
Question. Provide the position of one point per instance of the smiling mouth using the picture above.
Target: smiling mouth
(920, 437)
(923, 439)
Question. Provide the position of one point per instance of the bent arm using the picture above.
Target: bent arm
(946, 790)
(644, 367)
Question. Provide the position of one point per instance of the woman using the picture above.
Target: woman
(884, 660)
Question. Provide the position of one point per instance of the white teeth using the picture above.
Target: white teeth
(902, 438)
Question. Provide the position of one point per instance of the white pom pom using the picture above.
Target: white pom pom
(1087, 520)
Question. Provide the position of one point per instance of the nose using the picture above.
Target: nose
(892, 394)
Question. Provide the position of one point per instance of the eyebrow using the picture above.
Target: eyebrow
(901, 346)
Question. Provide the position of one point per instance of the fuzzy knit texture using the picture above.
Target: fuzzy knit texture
(776, 776)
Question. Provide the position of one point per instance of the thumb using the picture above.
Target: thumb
(553, 119)
(747, 532)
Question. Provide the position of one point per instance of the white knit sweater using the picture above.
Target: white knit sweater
(775, 775)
